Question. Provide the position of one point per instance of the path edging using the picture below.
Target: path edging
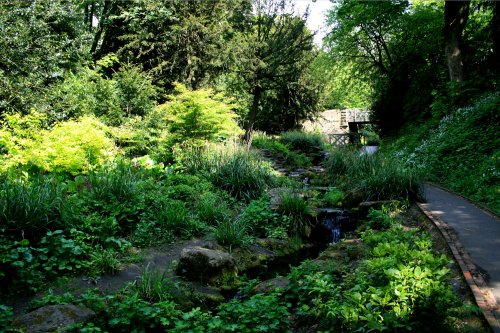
(482, 294)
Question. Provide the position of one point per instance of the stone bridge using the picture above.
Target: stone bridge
(341, 127)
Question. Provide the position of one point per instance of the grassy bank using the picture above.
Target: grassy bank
(461, 151)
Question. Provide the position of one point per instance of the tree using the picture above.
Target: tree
(270, 54)
(393, 45)
(456, 14)
(177, 40)
(41, 41)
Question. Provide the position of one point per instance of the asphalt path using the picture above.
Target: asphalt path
(477, 230)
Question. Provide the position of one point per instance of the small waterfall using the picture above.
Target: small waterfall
(334, 221)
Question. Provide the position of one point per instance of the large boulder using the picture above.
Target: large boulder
(204, 265)
(53, 318)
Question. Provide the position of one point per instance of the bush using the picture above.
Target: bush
(281, 151)
(260, 313)
(400, 285)
(259, 217)
(197, 117)
(128, 93)
(231, 232)
(69, 148)
(232, 168)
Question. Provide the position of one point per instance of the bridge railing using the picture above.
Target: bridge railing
(343, 139)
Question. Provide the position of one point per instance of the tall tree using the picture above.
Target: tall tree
(456, 14)
(394, 46)
(178, 40)
(270, 54)
(41, 40)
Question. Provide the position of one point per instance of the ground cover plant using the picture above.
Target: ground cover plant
(389, 279)
(461, 152)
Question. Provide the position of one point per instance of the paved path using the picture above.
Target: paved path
(476, 234)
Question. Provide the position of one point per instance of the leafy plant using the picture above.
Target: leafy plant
(260, 313)
(104, 261)
(375, 177)
(333, 197)
(259, 217)
(196, 117)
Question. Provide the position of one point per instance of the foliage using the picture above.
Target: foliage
(153, 285)
(260, 313)
(298, 212)
(6, 317)
(213, 208)
(129, 92)
(273, 55)
(460, 152)
(232, 168)
(232, 233)
(375, 177)
(41, 42)
(310, 144)
(187, 47)
(280, 151)
(68, 147)
(259, 217)
(395, 45)
(333, 197)
(29, 207)
(400, 285)
(195, 117)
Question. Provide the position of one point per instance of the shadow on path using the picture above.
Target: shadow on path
(478, 232)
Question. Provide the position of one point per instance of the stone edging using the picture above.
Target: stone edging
(482, 294)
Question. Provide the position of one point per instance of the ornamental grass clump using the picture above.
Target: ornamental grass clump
(232, 168)
(309, 143)
(374, 177)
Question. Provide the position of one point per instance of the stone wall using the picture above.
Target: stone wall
(336, 121)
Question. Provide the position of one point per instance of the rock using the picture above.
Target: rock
(276, 195)
(271, 285)
(204, 265)
(365, 206)
(53, 318)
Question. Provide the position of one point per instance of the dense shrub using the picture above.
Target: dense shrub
(232, 168)
(298, 212)
(129, 92)
(196, 117)
(68, 147)
(29, 208)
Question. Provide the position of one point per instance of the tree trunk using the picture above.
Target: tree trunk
(257, 93)
(456, 14)
(101, 26)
